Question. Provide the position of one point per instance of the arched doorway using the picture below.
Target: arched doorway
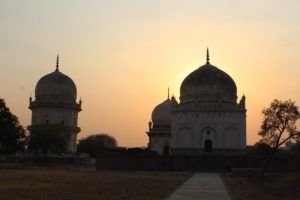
(208, 146)
(166, 149)
(207, 138)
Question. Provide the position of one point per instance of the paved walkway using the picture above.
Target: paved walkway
(204, 186)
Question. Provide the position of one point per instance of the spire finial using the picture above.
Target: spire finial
(57, 63)
(168, 92)
(207, 56)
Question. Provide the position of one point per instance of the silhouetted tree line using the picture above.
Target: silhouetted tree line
(104, 144)
(13, 137)
(96, 144)
(47, 138)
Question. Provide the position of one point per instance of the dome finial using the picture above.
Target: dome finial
(57, 63)
(207, 56)
(168, 92)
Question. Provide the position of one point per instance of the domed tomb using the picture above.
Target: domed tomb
(55, 103)
(160, 127)
(208, 119)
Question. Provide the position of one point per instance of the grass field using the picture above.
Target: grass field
(271, 187)
(83, 184)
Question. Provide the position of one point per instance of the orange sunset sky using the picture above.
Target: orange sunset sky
(123, 55)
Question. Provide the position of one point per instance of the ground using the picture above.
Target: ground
(78, 184)
(81, 183)
(271, 187)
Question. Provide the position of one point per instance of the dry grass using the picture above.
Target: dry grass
(271, 187)
(76, 184)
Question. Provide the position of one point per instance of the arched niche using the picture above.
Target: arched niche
(231, 138)
(185, 138)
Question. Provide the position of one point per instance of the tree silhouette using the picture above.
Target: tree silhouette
(96, 144)
(260, 148)
(279, 125)
(13, 136)
(48, 138)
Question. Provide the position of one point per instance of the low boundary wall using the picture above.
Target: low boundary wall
(194, 163)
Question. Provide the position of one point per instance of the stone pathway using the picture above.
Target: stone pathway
(204, 186)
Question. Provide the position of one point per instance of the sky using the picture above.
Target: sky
(123, 55)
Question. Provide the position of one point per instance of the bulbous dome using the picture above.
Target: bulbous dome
(56, 85)
(162, 112)
(208, 83)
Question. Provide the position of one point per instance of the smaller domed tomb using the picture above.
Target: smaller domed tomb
(160, 126)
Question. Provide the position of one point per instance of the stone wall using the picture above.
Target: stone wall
(67, 160)
(194, 163)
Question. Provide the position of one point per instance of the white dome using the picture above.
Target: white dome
(56, 85)
(162, 112)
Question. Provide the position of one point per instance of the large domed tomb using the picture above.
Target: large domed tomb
(55, 103)
(208, 118)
